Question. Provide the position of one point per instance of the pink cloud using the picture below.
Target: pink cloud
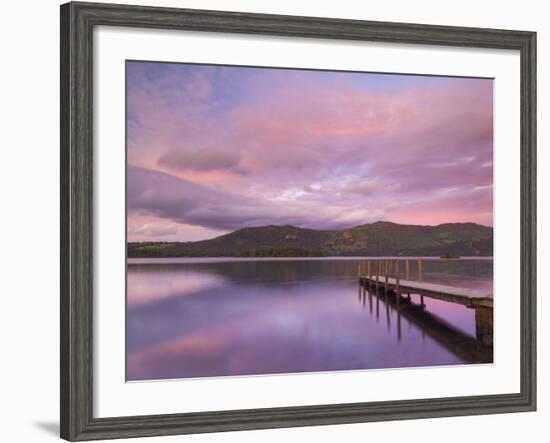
(423, 150)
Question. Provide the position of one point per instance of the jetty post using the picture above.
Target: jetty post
(397, 289)
(377, 306)
(378, 268)
(361, 287)
(386, 277)
(484, 325)
(369, 272)
(388, 319)
(420, 279)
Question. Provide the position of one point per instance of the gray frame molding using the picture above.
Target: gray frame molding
(77, 24)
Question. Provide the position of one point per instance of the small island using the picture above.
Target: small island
(449, 256)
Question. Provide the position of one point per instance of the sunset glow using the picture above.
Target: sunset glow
(212, 149)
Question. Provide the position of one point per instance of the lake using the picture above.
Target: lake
(226, 317)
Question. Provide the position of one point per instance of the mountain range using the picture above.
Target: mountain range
(375, 239)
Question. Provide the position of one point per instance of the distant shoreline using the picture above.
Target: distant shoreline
(371, 240)
(167, 260)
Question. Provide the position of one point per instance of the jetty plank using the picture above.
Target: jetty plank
(470, 298)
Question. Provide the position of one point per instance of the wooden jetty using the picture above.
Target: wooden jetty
(467, 348)
(385, 277)
(463, 296)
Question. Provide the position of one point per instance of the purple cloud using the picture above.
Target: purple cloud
(222, 148)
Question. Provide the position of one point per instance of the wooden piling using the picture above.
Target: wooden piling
(420, 272)
(397, 289)
(484, 326)
(377, 275)
(386, 278)
(369, 271)
(407, 270)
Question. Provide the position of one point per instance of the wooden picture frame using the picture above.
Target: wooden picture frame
(77, 23)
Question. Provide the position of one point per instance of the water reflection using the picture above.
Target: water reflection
(213, 318)
(466, 347)
(156, 282)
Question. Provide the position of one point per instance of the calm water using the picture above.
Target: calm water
(220, 317)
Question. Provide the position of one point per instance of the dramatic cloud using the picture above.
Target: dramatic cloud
(219, 148)
(199, 160)
(153, 193)
(154, 230)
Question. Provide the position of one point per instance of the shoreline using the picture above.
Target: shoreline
(146, 260)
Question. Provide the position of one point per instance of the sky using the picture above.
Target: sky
(212, 149)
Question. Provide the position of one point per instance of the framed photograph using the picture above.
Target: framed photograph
(272, 221)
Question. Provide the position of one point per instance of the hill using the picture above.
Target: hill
(375, 239)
